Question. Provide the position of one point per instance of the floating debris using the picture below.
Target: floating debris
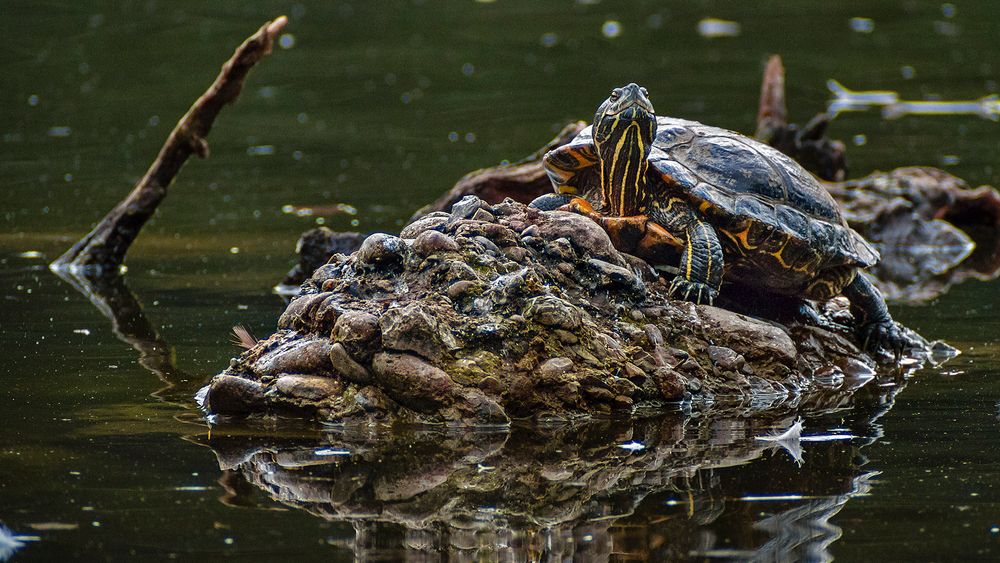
(309, 211)
(987, 107)
(330, 451)
(31, 254)
(11, 542)
(846, 99)
(611, 29)
(862, 25)
(789, 440)
(260, 150)
(714, 27)
(60, 131)
(632, 446)
(83, 331)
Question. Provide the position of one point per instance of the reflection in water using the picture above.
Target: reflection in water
(570, 489)
(111, 296)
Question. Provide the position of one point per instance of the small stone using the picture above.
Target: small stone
(345, 365)
(725, 359)
(465, 208)
(487, 244)
(433, 221)
(670, 383)
(554, 312)
(560, 248)
(483, 215)
(530, 231)
(229, 394)
(554, 367)
(413, 328)
(654, 334)
(381, 249)
(633, 372)
(565, 336)
(308, 387)
(614, 275)
(566, 268)
(463, 288)
(586, 236)
(412, 382)
(458, 270)
(372, 399)
(637, 315)
(516, 253)
(358, 332)
(431, 242)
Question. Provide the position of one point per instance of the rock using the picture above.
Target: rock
(725, 359)
(358, 332)
(669, 382)
(755, 340)
(553, 312)
(432, 242)
(381, 249)
(483, 215)
(412, 328)
(586, 236)
(432, 222)
(233, 395)
(413, 382)
(345, 365)
(463, 288)
(297, 356)
(612, 275)
(308, 387)
(466, 208)
(552, 368)
(315, 247)
(486, 243)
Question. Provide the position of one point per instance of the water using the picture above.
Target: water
(382, 108)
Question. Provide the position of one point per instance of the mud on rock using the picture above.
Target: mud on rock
(493, 312)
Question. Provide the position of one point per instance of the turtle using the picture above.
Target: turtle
(733, 208)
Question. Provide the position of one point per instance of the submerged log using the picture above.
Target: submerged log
(102, 251)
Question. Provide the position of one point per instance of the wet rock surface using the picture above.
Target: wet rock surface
(495, 312)
(932, 229)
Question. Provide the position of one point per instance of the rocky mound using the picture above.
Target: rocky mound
(493, 312)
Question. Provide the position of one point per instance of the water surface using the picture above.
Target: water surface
(382, 106)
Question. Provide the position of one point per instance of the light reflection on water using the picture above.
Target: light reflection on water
(378, 111)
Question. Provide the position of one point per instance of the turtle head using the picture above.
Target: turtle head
(624, 129)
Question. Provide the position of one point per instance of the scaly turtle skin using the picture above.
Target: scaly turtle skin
(731, 206)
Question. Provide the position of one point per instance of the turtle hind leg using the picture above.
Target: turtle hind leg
(875, 327)
(701, 265)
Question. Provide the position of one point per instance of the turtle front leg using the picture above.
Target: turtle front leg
(636, 234)
(700, 275)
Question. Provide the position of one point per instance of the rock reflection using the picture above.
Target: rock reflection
(701, 487)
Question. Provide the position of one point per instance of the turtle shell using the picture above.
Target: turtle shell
(762, 202)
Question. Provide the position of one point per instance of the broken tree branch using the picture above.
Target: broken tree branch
(102, 251)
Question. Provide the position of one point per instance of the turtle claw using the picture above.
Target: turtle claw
(695, 292)
(887, 336)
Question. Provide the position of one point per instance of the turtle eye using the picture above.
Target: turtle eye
(644, 92)
(615, 94)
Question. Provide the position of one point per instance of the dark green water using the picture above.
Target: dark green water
(382, 106)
